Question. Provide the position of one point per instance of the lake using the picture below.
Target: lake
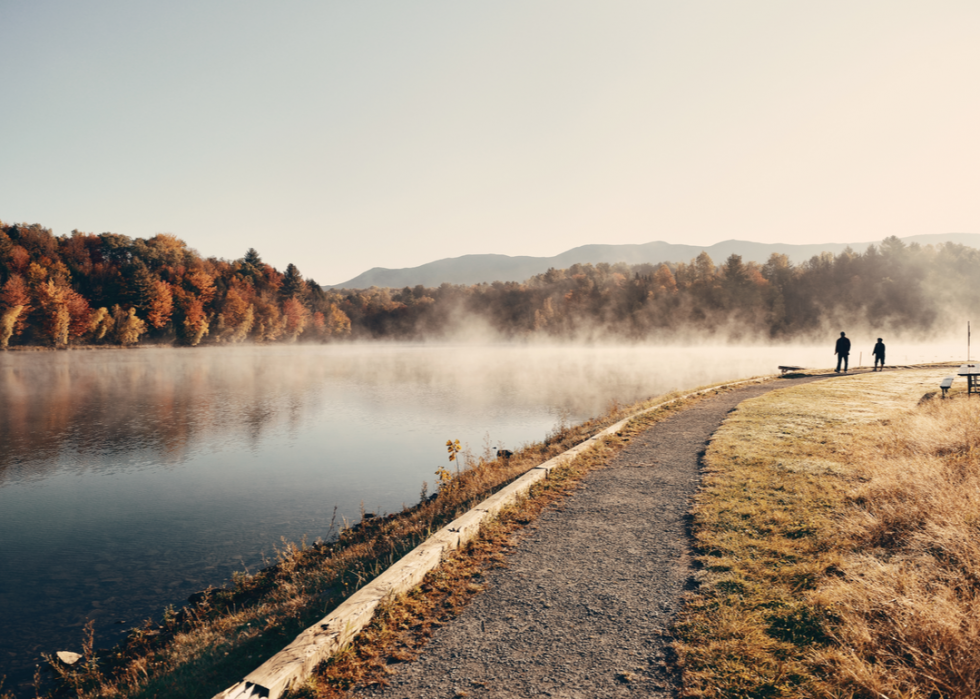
(132, 479)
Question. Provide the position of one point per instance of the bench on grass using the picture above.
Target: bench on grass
(784, 369)
(946, 384)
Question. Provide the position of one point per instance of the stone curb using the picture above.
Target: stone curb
(296, 662)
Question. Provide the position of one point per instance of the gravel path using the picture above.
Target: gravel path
(583, 608)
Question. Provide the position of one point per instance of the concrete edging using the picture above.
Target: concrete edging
(296, 662)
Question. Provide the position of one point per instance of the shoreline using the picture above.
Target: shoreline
(377, 527)
(328, 636)
(349, 554)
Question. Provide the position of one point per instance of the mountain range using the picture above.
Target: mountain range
(476, 269)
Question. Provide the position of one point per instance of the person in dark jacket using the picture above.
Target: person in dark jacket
(879, 353)
(842, 350)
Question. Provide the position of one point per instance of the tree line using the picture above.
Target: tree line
(891, 287)
(109, 288)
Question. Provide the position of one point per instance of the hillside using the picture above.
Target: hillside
(477, 269)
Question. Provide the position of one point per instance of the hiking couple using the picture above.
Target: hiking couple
(843, 349)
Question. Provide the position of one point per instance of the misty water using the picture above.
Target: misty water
(132, 479)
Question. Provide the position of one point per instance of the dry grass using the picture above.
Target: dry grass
(204, 648)
(905, 606)
(837, 526)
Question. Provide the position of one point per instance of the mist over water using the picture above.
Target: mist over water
(131, 479)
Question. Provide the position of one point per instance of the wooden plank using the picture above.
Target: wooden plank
(512, 493)
(314, 645)
(461, 529)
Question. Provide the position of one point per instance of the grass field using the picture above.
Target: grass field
(838, 532)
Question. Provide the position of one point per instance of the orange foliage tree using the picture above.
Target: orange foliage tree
(52, 301)
(80, 314)
(296, 316)
(128, 326)
(338, 323)
(14, 308)
(160, 304)
(194, 325)
(237, 315)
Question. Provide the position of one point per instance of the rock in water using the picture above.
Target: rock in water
(67, 657)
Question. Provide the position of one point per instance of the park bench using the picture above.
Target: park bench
(784, 369)
(945, 384)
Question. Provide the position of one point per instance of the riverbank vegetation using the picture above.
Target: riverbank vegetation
(110, 289)
(226, 633)
(839, 549)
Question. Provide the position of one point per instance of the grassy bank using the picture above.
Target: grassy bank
(210, 645)
(837, 528)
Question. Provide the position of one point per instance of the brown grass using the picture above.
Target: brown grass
(838, 527)
(229, 632)
(906, 606)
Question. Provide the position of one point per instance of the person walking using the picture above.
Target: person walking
(842, 350)
(879, 353)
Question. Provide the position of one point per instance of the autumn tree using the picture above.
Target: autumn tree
(318, 325)
(8, 321)
(269, 324)
(6, 246)
(80, 315)
(201, 283)
(167, 249)
(14, 308)
(337, 323)
(194, 324)
(159, 304)
(127, 326)
(296, 318)
(237, 315)
(663, 281)
(52, 301)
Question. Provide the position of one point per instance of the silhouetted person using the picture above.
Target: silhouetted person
(842, 349)
(879, 353)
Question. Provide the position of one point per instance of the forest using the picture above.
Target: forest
(110, 289)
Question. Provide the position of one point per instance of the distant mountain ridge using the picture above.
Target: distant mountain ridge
(476, 269)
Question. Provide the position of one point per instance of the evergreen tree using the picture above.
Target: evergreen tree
(293, 285)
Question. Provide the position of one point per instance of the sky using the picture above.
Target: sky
(341, 136)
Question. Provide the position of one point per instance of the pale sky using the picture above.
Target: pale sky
(346, 135)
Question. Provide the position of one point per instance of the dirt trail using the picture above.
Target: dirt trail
(584, 606)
